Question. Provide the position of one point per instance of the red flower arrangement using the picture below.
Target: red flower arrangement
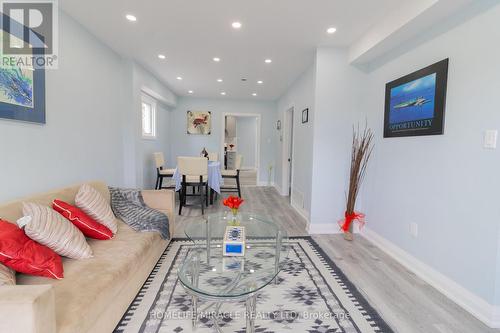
(233, 203)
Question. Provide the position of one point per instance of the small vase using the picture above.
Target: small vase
(234, 218)
(349, 235)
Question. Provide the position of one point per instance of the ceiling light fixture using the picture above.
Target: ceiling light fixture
(223, 93)
(268, 61)
(331, 30)
(219, 80)
(162, 56)
(131, 17)
(260, 82)
(179, 78)
(216, 59)
(254, 94)
(236, 25)
(190, 92)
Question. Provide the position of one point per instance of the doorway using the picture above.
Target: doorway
(288, 152)
(241, 136)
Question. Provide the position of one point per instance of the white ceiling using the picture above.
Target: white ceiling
(190, 33)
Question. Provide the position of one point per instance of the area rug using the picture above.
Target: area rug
(312, 295)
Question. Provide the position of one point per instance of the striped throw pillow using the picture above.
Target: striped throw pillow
(96, 206)
(49, 228)
(7, 276)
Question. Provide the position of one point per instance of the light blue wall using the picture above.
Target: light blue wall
(82, 139)
(145, 82)
(93, 122)
(339, 91)
(447, 184)
(246, 132)
(184, 144)
(300, 95)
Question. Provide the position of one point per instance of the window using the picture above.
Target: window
(148, 117)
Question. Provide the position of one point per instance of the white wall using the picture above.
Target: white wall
(82, 139)
(246, 131)
(446, 184)
(300, 95)
(184, 144)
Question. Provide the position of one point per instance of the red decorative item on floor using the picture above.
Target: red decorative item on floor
(87, 225)
(24, 255)
(345, 224)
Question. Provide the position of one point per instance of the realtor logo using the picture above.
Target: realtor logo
(29, 33)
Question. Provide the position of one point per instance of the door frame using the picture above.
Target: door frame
(257, 146)
(288, 133)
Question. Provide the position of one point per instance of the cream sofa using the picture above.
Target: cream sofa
(95, 292)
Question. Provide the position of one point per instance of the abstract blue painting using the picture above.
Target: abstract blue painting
(22, 88)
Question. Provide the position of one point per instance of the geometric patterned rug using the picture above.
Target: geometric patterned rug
(312, 296)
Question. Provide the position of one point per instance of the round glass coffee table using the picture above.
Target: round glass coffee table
(209, 275)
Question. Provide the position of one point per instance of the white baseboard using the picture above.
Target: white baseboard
(283, 194)
(478, 307)
(301, 212)
(328, 229)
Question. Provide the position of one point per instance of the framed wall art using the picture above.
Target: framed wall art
(415, 103)
(199, 122)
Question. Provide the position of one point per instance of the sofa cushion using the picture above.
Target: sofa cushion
(7, 276)
(49, 228)
(24, 255)
(87, 225)
(96, 206)
(103, 281)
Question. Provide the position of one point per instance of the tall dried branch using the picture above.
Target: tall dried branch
(362, 148)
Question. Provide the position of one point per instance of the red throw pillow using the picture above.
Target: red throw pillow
(87, 225)
(24, 255)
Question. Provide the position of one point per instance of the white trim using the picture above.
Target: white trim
(285, 150)
(302, 212)
(257, 149)
(152, 102)
(478, 307)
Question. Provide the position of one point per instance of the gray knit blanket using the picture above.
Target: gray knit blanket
(128, 205)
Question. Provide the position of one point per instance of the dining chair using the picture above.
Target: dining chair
(162, 171)
(233, 174)
(194, 172)
(213, 157)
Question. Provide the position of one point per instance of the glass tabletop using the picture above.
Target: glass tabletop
(208, 272)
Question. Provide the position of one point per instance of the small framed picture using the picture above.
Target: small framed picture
(305, 116)
(278, 125)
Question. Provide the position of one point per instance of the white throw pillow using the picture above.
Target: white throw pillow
(51, 229)
(96, 206)
(7, 276)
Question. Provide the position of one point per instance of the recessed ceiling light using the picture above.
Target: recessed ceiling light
(219, 80)
(190, 92)
(236, 25)
(179, 78)
(216, 59)
(331, 30)
(254, 94)
(131, 17)
(223, 93)
(260, 82)
(161, 56)
(268, 61)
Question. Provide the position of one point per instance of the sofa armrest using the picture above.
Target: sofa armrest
(163, 201)
(29, 309)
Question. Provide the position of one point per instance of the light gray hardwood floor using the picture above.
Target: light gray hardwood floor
(406, 302)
